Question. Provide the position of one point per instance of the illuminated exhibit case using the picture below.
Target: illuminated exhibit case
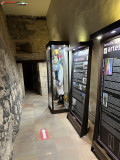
(58, 73)
(80, 82)
(106, 140)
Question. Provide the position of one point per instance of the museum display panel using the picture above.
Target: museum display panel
(58, 73)
(106, 140)
(80, 82)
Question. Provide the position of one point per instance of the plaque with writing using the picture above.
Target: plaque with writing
(79, 82)
(109, 126)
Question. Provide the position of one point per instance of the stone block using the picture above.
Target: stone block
(1, 115)
(45, 73)
(44, 92)
(44, 69)
(45, 79)
(30, 30)
(43, 84)
(44, 65)
(41, 79)
(41, 73)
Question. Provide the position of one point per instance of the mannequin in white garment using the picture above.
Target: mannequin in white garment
(59, 77)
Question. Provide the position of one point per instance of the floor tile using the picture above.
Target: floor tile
(46, 146)
(25, 150)
(63, 144)
(68, 154)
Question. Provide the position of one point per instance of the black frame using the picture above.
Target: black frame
(81, 127)
(49, 45)
(100, 152)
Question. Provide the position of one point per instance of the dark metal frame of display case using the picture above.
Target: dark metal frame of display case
(49, 45)
(82, 128)
(100, 152)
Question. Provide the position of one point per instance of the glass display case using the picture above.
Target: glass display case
(58, 73)
(80, 82)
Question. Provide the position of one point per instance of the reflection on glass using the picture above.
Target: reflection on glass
(60, 77)
(49, 79)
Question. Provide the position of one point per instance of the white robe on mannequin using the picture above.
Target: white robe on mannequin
(60, 81)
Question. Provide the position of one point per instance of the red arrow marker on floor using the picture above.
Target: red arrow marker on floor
(2, 3)
(44, 134)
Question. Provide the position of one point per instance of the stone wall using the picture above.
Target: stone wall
(20, 69)
(43, 78)
(10, 93)
(30, 30)
(75, 22)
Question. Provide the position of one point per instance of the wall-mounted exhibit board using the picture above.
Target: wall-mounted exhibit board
(58, 73)
(106, 139)
(80, 82)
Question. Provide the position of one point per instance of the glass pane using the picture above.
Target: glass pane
(60, 77)
(49, 79)
(65, 74)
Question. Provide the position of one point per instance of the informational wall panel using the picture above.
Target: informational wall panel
(79, 82)
(109, 126)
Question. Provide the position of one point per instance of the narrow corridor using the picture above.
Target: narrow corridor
(63, 143)
(72, 54)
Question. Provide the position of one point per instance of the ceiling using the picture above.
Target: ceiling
(34, 8)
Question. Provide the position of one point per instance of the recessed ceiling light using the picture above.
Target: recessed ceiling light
(99, 37)
(113, 32)
(22, 3)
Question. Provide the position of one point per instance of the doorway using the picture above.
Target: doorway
(31, 77)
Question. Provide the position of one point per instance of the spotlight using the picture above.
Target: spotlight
(113, 32)
(99, 37)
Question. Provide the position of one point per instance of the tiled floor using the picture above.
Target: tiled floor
(63, 144)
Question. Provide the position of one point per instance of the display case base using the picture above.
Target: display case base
(99, 151)
(76, 125)
(58, 111)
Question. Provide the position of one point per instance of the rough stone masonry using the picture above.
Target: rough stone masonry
(11, 98)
